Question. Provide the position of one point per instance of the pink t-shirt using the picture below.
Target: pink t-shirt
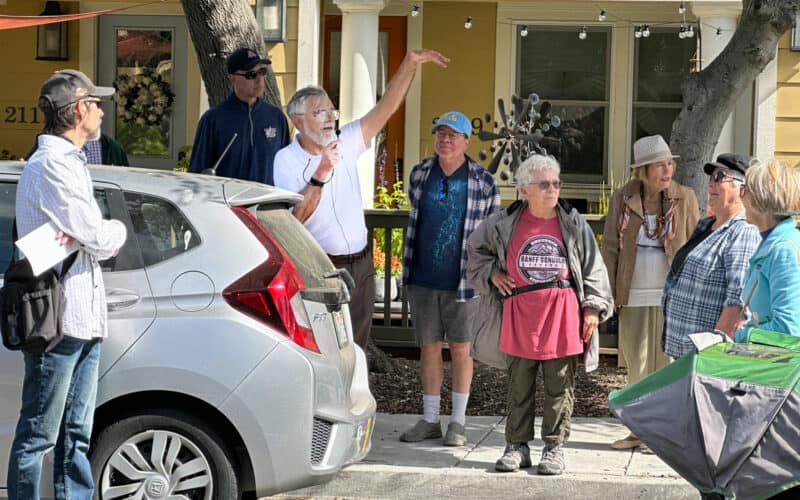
(542, 324)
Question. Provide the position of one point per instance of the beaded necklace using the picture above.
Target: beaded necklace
(653, 235)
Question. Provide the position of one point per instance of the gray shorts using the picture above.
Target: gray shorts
(437, 316)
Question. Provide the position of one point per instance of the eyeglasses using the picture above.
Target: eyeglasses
(719, 176)
(252, 75)
(445, 134)
(322, 114)
(545, 185)
(443, 188)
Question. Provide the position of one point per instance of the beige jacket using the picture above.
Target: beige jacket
(620, 264)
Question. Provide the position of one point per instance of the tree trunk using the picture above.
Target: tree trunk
(377, 360)
(217, 28)
(710, 95)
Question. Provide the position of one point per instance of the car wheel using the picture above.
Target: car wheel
(160, 455)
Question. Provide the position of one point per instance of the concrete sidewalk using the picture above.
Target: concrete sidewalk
(394, 469)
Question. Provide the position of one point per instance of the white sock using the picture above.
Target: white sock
(459, 414)
(430, 408)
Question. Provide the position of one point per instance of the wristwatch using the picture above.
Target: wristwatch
(315, 182)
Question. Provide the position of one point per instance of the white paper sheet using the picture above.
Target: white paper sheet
(42, 249)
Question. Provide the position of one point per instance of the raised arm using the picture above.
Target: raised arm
(396, 91)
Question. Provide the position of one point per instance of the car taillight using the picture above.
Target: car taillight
(270, 292)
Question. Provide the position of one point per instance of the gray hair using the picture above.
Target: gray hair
(534, 164)
(57, 120)
(297, 104)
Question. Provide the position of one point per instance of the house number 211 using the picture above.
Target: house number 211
(21, 114)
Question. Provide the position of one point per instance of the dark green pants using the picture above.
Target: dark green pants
(558, 376)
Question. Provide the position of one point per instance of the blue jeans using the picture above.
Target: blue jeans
(58, 398)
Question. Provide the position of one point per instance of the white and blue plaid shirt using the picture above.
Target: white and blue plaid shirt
(55, 186)
(483, 199)
(712, 278)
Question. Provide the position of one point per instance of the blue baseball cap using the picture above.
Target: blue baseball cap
(456, 121)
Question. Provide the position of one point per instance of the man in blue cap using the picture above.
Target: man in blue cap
(240, 136)
(450, 195)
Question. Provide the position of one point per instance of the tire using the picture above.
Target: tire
(142, 455)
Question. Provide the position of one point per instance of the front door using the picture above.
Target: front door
(145, 57)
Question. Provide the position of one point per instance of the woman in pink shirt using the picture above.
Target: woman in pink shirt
(541, 257)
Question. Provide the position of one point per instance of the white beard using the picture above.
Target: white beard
(321, 139)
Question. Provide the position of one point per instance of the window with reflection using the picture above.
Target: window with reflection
(570, 73)
(662, 63)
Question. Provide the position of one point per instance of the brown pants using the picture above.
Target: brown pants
(640, 340)
(362, 300)
(558, 376)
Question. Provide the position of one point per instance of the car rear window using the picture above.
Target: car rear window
(309, 258)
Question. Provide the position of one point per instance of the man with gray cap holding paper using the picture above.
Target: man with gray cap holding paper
(60, 385)
(703, 290)
(450, 195)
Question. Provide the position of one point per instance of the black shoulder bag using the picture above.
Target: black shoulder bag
(31, 306)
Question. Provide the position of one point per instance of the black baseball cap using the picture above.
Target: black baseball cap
(244, 60)
(731, 161)
(69, 86)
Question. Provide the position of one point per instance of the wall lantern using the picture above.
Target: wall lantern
(51, 39)
(271, 18)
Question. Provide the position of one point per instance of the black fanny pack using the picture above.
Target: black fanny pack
(541, 286)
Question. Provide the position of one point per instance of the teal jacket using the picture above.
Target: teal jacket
(773, 278)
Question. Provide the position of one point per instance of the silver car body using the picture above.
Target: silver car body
(289, 416)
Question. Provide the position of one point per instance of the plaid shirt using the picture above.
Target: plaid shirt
(483, 199)
(712, 277)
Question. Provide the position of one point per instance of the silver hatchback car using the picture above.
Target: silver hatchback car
(230, 368)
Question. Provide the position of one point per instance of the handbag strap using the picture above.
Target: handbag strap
(67, 264)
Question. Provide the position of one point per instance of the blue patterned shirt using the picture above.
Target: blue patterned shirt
(483, 199)
(712, 278)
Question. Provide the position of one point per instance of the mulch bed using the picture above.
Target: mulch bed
(398, 390)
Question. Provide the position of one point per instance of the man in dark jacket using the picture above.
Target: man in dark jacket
(253, 129)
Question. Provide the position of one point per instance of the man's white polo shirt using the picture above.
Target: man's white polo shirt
(338, 223)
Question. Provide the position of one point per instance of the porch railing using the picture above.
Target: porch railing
(391, 321)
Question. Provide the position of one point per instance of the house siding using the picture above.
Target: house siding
(787, 122)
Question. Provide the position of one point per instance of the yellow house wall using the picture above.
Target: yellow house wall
(787, 122)
(23, 76)
(467, 85)
(622, 16)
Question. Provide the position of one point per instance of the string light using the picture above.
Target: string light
(468, 23)
(690, 32)
(602, 16)
(524, 31)
(646, 31)
(583, 33)
(415, 10)
(681, 9)
(682, 32)
(637, 32)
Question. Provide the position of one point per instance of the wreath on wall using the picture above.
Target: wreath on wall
(144, 98)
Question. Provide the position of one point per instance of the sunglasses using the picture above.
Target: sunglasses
(719, 176)
(443, 188)
(545, 185)
(450, 136)
(252, 75)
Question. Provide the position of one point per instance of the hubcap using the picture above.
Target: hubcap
(155, 465)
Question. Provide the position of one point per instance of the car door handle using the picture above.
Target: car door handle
(119, 298)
